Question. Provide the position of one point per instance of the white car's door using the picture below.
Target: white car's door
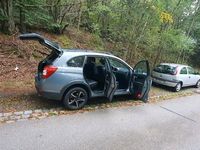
(192, 77)
(184, 77)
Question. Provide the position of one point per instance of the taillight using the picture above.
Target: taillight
(48, 71)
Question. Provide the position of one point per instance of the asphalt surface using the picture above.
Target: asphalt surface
(169, 125)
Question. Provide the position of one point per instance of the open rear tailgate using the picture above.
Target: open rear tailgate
(33, 36)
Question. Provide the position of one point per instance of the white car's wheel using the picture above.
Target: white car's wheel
(178, 87)
(197, 84)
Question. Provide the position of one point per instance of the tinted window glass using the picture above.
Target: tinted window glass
(141, 68)
(183, 70)
(76, 61)
(166, 69)
(116, 63)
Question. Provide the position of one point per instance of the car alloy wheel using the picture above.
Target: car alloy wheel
(178, 87)
(75, 98)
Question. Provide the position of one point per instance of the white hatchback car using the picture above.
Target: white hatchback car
(176, 76)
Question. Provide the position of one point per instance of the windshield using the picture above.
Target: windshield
(166, 69)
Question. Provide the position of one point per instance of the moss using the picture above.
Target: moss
(96, 42)
(65, 41)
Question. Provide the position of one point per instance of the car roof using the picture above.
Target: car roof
(174, 65)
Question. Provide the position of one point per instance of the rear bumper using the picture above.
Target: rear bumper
(48, 95)
(40, 87)
(164, 82)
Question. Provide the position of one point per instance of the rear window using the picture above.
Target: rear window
(76, 61)
(166, 69)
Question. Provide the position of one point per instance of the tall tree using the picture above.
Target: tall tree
(8, 24)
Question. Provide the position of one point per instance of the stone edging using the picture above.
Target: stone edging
(12, 117)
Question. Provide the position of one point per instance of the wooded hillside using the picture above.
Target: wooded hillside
(157, 30)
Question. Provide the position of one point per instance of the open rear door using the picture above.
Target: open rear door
(141, 81)
(33, 36)
(111, 86)
(110, 83)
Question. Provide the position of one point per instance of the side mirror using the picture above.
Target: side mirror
(114, 69)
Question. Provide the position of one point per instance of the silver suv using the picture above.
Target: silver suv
(176, 76)
(73, 76)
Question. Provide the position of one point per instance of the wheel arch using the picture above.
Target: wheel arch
(76, 84)
(181, 83)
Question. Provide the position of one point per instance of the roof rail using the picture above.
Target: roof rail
(104, 52)
(87, 50)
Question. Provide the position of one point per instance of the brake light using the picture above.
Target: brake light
(48, 71)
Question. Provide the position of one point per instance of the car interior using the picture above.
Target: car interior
(121, 72)
(94, 72)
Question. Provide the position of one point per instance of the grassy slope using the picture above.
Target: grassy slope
(25, 55)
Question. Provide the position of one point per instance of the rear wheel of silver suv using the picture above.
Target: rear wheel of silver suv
(75, 98)
(178, 87)
(198, 84)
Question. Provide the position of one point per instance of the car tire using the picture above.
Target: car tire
(197, 84)
(178, 87)
(75, 98)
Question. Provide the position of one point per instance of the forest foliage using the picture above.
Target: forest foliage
(158, 30)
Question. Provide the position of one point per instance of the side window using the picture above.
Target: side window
(117, 64)
(76, 61)
(190, 70)
(183, 70)
(141, 68)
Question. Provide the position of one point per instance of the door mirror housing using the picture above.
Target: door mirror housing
(115, 69)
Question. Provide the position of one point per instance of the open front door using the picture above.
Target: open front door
(110, 83)
(141, 81)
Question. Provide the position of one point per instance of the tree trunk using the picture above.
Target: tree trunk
(104, 21)
(157, 56)
(9, 24)
(79, 16)
(22, 18)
